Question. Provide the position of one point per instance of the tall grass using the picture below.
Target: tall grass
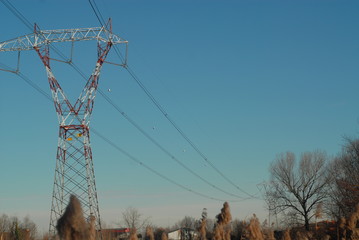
(203, 230)
(254, 231)
(222, 230)
(133, 234)
(149, 233)
(72, 225)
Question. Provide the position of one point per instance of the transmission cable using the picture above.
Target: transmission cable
(173, 123)
(17, 13)
(164, 112)
(42, 92)
(163, 149)
(24, 20)
(154, 101)
(97, 13)
(28, 81)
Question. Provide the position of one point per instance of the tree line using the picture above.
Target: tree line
(301, 192)
(13, 228)
(305, 189)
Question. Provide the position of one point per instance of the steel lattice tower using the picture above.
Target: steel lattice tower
(74, 173)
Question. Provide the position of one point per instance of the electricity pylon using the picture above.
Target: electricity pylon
(74, 173)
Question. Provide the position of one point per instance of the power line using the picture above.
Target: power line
(17, 13)
(129, 119)
(164, 112)
(28, 81)
(47, 96)
(156, 172)
(162, 148)
(118, 109)
(101, 21)
(97, 13)
(72, 64)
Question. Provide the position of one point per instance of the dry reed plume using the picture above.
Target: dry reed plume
(222, 230)
(133, 234)
(303, 235)
(218, 232)
(164, 236)
(254, 231)
(72, 225)
(225, 216)
(342, 227)
(202, 230)
(149, 233)
(326, 237)
(348, 227)
(286, 235)
(354, 217)
(270, 234)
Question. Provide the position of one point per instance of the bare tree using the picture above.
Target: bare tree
(345, 188)
(187, 222)
(132, 218)
(5, 225)
(29, 225)
(299, 188)
(16, 229)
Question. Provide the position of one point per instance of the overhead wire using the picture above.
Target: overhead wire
(27, 23)
(166, 151)
(164, 112)
(111, 143)
(117, 108)
(97, 13)
(101, 20)
(173, 123)
(28, 81)
(158, 173)
(17, 13)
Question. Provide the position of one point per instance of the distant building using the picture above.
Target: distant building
(116, 233)
(182, 234)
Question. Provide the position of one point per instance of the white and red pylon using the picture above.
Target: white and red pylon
(74, 173)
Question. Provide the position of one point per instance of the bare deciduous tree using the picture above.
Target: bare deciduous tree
(16, 229)
(5, 225)
(299, 188)
(28, 224)
(344, 169)
(187, 222)
(132, 218)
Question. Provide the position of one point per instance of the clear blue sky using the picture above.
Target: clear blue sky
(245, 80)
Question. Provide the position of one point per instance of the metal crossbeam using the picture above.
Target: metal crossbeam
(44, 37)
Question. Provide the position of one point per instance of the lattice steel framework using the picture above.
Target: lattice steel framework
(74, 173)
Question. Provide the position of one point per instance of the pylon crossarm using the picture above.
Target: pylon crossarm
(44, 37)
